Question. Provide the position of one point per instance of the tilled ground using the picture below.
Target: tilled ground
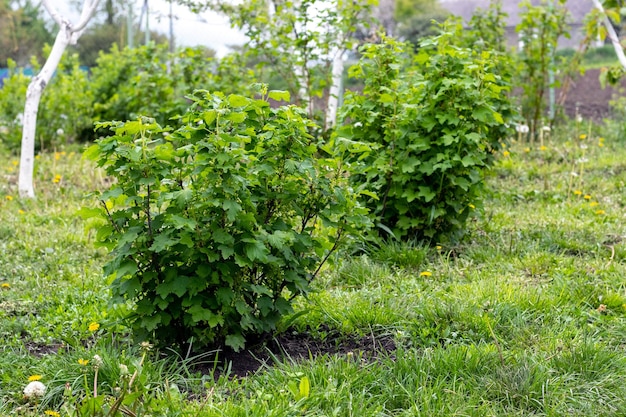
(587, 98)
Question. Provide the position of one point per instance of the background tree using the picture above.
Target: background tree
(68, 34)
(414, 19)
(23, 32)
(110, 26)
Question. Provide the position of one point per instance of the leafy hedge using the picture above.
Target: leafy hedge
(124, 85)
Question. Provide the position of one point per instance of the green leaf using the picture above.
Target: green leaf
(278, 95)
(127, 268)
(235, 100)
(236, 341)
(174, 285)
(200, 314)
(256, 251)
(87, 213)
(232, 209)
(163, 242)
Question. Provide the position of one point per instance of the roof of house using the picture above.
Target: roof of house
(577, 9)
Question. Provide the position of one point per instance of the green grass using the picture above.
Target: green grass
(525, 317)
(594, 57)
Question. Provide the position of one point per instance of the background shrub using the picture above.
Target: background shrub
(65, 110)
(433, 122)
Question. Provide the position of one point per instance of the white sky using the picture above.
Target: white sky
(208, 28)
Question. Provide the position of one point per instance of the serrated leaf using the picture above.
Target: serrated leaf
(236, 117)
(235, 100)
(278, 95)
(235, 341)
(256, 251)
(87, 213)
(200, 314)
(127, 268)
(162, 242)
(386, 98)
(232, 209)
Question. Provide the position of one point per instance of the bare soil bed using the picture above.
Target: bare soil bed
(294, 346)
(587, 97)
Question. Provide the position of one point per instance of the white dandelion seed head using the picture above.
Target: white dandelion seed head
(60, 132)
(522, 128)
(546, 128)
(97, 360)
(34, 389)
(123, 369)
(358, 124)
(579, 118)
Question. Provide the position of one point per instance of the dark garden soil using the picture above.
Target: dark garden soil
(294, 346)
(587, 97)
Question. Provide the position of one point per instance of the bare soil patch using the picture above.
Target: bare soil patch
(296, 346)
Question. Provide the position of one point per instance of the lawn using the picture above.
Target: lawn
(525, 316)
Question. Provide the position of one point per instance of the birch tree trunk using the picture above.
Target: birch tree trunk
(68, 35)
(335, 89)
(619, 51)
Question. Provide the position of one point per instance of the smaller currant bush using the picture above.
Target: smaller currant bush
(433, 122)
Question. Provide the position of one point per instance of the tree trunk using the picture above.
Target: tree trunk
(68, 34)
(33, 96)
(619, 51)
(335, 90)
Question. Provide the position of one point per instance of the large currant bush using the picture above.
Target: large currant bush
(216, 226)
(433, 122)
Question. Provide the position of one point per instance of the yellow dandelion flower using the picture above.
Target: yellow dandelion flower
(425, 274)
(600, 212)
(20, 211)
(57, 179)
(578, 192)
(587, 197)
(506, 154)
(543, 148)
(15, 162)
(93, 326)
(526, 150)
(9, 197)
(601, 144)
(83, 362)
(52, 413)
(582, 136)
(471, 206)
(624, 306)
(5, 285)
(593, 203)
(34, 378)
(438, 247)
(57, 156)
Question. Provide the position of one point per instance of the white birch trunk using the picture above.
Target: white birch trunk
(335, 90)
(68, 35)
(619, 51)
